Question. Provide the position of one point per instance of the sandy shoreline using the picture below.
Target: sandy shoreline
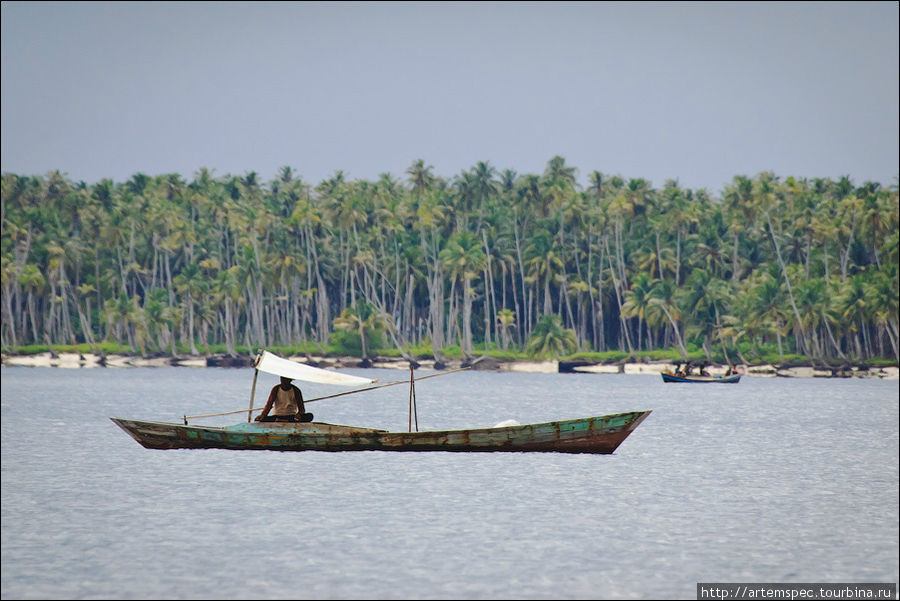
(83, 361)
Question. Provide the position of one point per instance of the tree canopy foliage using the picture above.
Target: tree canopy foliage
(479, 259)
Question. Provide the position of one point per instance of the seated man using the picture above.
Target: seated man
(287, 401)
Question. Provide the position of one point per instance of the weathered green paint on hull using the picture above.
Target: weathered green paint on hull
(586, 435)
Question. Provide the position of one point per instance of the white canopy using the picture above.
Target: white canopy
(273, 364)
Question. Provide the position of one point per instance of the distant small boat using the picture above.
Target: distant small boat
(672, 378)
(600, 435)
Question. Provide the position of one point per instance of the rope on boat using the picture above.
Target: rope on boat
(331, 396)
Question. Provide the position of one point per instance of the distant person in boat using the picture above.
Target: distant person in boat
(703, 371)
(287, 402)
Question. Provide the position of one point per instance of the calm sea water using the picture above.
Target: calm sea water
(771, 480)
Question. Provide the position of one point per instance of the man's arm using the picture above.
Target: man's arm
(269, 403)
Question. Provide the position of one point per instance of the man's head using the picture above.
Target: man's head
(285, 382)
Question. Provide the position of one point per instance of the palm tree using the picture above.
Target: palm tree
(507, 321)
(531, 196)
(884, 298)
(596, 181)
(483, 187)
(464, 259)
(638, 303)
(508, 179)
(421, 178)
(550, 339)
(854, 306)
(362, 320)
(664, 295)
(33, 283)
(558, 174)
(681, 215)
(787, 283)
(812, 303)
(228, 288)
(544, 263)
(767, 308)
(120, 313)
(191, 284)
(155, 305)
(704, 301)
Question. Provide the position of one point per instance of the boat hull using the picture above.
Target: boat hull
(673, 379)
(586, 435)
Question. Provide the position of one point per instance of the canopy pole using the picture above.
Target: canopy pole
(252, 394)
(412, 400)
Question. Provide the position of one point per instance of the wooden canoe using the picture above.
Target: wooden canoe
(672, 378)
(586, 435)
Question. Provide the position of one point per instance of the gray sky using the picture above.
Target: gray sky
(700, 92)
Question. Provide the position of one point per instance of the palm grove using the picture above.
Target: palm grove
(486, 260)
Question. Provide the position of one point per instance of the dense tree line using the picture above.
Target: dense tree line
(489, 258)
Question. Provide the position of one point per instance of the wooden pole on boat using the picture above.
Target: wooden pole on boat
(252, 394)
(412, 400)
(256, 361)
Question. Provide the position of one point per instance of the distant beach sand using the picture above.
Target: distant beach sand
(79, 361)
